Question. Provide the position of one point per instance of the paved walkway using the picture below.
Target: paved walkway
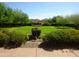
(30, 49)
(38, 52)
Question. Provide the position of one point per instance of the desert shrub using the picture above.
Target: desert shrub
(16, 39)
(63, 35)
(3, 38)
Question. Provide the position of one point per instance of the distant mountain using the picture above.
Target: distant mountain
(35, 20)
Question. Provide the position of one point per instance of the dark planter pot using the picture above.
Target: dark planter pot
(36, 32)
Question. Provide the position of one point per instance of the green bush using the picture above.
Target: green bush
(63, 35)
(3, 38)
(16, 39)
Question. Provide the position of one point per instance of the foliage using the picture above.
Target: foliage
(74, 19)
(70, 21)
(64, 35)
(12, 39)
(3, 38)
(10, 17)
(15, 39)
(45, 22)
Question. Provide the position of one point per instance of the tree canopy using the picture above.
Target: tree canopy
(10, 17)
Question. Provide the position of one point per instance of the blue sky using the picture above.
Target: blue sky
(41, 10)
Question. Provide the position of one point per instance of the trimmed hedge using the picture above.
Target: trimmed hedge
(12, 39)
(63, 35)
(16, 39)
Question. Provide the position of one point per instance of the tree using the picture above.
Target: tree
(45, 22)
(10, 17)
(20, 18)
(75, 20)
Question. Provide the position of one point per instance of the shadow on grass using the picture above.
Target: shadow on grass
(50, 46)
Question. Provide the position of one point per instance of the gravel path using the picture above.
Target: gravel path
(30, 49)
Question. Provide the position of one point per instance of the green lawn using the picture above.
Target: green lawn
(44, 29)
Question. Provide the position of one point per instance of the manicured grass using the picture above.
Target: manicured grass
(27, 29)
(63, 27)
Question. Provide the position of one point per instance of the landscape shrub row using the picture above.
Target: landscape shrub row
(11, 39)
(63, 35)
